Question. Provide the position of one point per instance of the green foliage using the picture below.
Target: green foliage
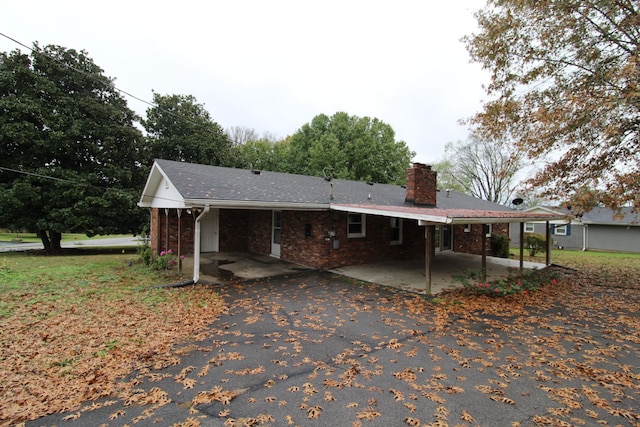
(348, 147)
(535, 243)
(564, 79)
(72, 138)
(178, 128)
(530, 281)
(165, 260)
(499, 244)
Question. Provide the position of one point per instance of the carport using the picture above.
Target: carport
(219, 267)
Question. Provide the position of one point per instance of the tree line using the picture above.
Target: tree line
(564, 99)
(74, 157)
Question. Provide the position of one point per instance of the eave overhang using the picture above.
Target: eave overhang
(434, 215)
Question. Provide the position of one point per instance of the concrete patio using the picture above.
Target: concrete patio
(217, 267)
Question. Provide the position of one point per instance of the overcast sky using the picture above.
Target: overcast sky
(273, 65)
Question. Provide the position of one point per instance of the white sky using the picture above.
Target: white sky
(273, 65)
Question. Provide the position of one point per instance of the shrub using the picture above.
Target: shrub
(530, 281)
(500, 245)
(164, 261)
(535, 243)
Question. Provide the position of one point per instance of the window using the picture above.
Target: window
(560, 230)
(488, 230)
(529, 227)
(467, 228)
(396, 231)
(356, 225)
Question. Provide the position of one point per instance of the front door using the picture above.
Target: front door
(276, 232)
(209, 232)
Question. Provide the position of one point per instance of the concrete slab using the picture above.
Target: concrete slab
(410, 274)
(218, 267)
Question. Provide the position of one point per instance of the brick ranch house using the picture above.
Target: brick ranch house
(317, 222)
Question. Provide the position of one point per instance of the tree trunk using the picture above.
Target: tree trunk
(51, 240)
(56, 237)
(45, 240)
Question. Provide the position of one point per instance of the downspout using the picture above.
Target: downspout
(179, 241)
(585, 237)
(196, 245)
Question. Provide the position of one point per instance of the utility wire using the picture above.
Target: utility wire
(37, 175)
(110, 84)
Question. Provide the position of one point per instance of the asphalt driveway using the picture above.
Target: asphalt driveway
(318, 349)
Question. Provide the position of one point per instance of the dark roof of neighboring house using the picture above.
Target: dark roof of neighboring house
(602, 215)
(198, 185)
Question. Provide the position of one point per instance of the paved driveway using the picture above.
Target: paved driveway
(318, 349)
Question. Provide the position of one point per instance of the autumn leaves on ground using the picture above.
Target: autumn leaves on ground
(72, 326)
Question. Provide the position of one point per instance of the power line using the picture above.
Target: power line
(43, 176)
(110, 84)
(37, 175)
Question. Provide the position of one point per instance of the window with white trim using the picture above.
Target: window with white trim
(560, 230)
(356, 226)
(396, 231)
(529, 227)
(489, 226)
(467, 228)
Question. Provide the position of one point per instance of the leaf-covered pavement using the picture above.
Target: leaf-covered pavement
(317, 349)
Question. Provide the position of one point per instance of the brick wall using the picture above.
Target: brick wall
(471, 242)
(250, 230)
(234, 230)
(161, 241)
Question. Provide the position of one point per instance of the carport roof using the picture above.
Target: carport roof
(174, 184)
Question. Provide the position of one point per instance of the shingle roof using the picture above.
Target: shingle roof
(195, 181)
(202, 183)
(602, 215)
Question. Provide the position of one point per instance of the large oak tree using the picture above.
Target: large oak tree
(69, 151)
(348, 147)
(564, 86)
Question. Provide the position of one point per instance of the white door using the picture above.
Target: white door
(444, 238)
(276, 232)
(209, 232)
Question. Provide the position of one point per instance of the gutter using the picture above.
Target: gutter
(251, 204)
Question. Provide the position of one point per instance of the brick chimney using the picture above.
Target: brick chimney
(421, 185)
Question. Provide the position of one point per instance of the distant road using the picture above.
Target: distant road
(93, 243)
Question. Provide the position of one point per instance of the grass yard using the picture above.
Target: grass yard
(617, 269)
(71, 325)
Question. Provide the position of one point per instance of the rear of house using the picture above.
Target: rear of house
(318, 222)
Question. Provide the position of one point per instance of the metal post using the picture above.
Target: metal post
(179, 240)
(483, 241)
(521, 248)
(548, 236)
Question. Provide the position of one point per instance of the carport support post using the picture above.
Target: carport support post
(521, 248)
(179, 239)
(483, 241)
(428, 236)
(548, 237)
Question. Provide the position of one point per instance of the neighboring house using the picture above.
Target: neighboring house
(598, 229)
(317, 222)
